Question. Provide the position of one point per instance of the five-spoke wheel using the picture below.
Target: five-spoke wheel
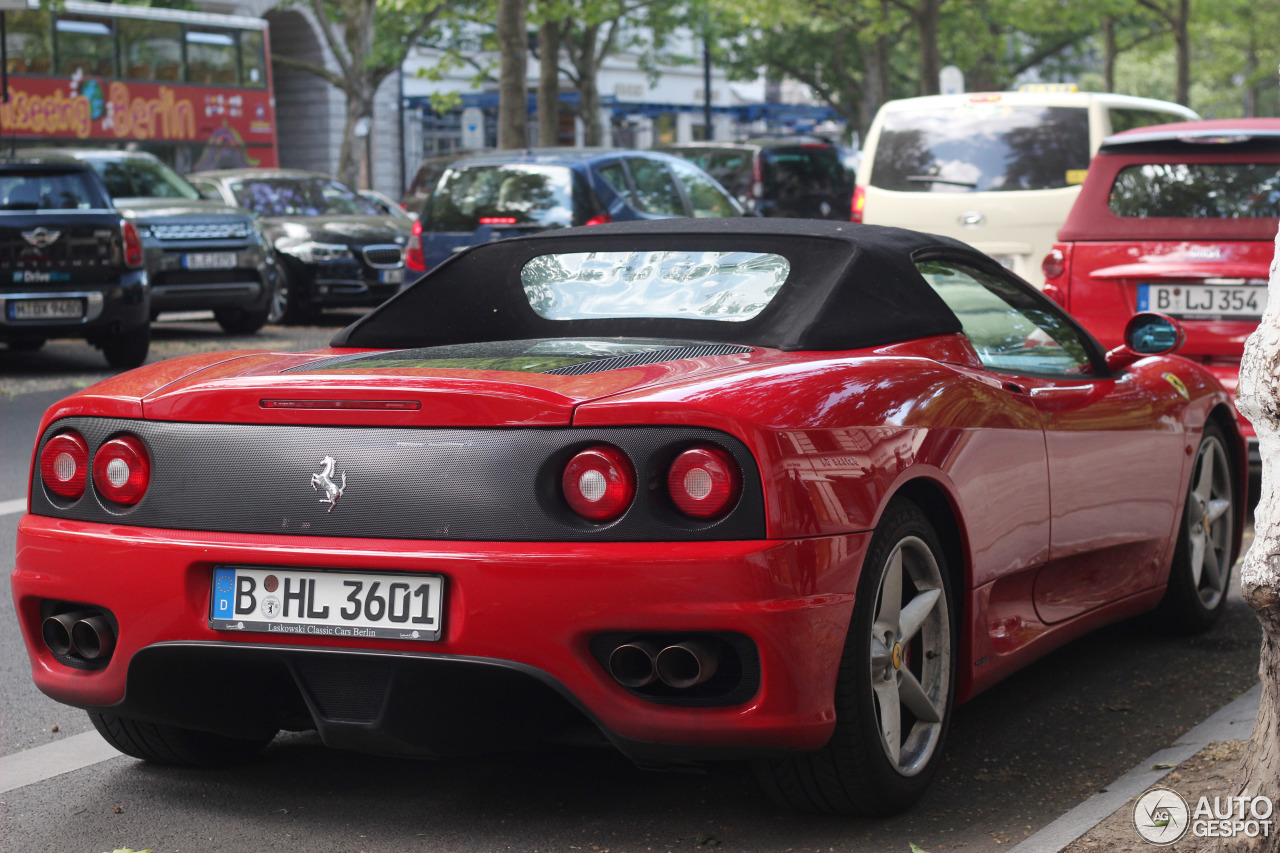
(896, 683)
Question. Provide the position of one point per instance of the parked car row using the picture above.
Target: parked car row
(253, 246)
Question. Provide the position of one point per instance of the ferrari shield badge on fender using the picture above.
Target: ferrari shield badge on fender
(324, 481)
(1177, 384)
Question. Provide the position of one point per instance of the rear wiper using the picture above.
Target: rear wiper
(932, 179)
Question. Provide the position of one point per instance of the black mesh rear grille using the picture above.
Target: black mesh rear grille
(346, 690)
(652, 357)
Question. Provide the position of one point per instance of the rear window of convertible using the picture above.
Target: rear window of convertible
(727, 286)
(1197, 190)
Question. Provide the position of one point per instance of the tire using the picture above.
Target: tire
(26, 344)
(278, 307)
(127, 349)
(162, 744)
(1200, 575)
(296, 310)
(237, 321)
(871, 769)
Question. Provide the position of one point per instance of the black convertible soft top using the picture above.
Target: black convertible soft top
(850, 286)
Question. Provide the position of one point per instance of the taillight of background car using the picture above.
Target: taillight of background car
(1054, 267)
(132, 244)
(64, 465)
(122, 470)
(414, 260)
(704, 482)
(859, 202)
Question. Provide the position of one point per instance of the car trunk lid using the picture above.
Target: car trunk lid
(69, 248)
(424, 388)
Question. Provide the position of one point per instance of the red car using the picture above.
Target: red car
(783, 490)
(1180, 219)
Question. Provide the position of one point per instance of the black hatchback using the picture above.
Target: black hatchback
(799, 177)
(514, 193)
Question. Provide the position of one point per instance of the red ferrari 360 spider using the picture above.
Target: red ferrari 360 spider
(767, 489)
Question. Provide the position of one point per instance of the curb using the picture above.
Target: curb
(1233, 722)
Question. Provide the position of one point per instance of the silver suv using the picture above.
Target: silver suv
(200, 255)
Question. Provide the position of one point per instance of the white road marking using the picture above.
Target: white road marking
(10, 507)
(53, 759)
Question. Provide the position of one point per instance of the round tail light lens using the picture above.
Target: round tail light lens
(599, 483)
(704, 482)
(64, 465)
(122, 470)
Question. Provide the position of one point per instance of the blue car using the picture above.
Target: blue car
(511, 193)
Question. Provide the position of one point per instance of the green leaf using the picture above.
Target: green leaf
(915, 848)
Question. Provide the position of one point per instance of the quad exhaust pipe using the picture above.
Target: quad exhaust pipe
(85, 634)
(679, 665)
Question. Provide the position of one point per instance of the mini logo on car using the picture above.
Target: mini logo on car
(41, 237)
(972, 219)
(824, 209)
(324, 481)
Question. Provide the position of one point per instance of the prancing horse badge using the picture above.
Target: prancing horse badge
(324, 480)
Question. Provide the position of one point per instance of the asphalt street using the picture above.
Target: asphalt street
(1018, 756)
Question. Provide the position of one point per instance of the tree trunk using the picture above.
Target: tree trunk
(549, 84)
(513, 75)
(930, 58)
(1109, 54)
(586, 64)
(353, 151)
(1258, 398)
(1182, 38)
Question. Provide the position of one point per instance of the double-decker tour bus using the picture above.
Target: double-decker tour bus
(193, 88)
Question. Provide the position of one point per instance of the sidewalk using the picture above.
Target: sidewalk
(1231, 723)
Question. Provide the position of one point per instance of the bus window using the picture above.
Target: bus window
(27, 43)
(150, 50)
(85, 43)
(253, 59)
(211, 57)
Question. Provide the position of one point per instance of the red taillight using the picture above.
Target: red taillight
(1054, 264)
(132, 244)
(497, 220)
(122, 470)
(64, 465)
(859, 203)
(599, 483)
(414, 259)
(704, 482)
(602, 219)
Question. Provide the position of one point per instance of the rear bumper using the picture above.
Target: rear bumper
(516, 650)
(175, 287)
(108, 309)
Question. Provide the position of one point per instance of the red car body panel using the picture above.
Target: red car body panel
(835, 438)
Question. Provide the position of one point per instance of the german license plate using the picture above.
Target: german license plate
(209, 260)
(1204, 301)
(391, 276)
(319, 603)
(46, 309)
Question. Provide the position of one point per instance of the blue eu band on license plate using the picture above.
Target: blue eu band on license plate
(337, 604)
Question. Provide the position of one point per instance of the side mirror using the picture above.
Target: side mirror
(1146, 334)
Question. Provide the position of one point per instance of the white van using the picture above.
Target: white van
(998, 170)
